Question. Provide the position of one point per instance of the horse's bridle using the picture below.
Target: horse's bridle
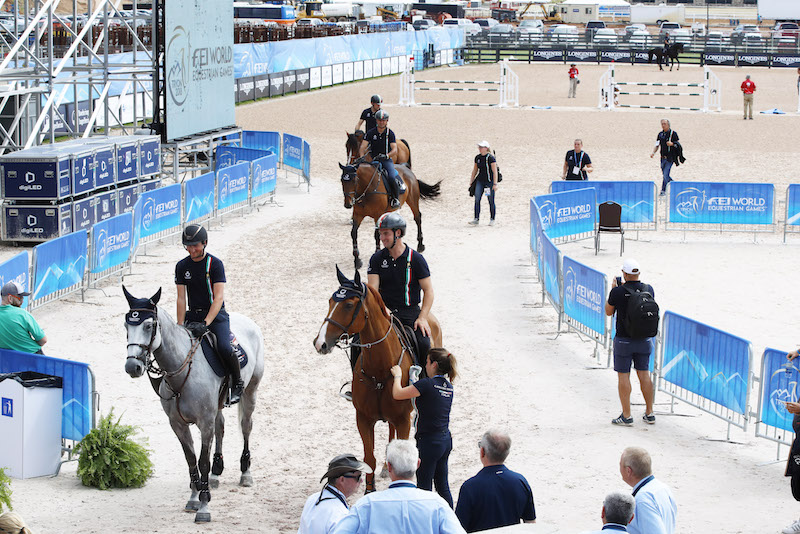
(356, 199)
(147, 357)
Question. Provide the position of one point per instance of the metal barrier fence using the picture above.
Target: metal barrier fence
(791, 221)
(58, 268)
(778, 379)
(639, 200)
(583, 302)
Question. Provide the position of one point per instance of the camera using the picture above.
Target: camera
(619, 281)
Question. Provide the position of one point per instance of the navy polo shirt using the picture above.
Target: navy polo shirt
(495, 497)
(663, 137)
(580, 160)
(368, 116)
(433, 405)
(399, 278)
(484, 163)
(199, 278)
(618, 298)
(379, 143)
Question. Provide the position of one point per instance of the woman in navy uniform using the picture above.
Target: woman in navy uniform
(434, 398)
(484, 174)
(201, 277)
(381, 144)
(576, 163)
(368, 115)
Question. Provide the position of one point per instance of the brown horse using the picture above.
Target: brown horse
(365, 192)
(353, 147)
(357, 308)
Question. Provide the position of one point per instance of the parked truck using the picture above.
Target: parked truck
(779, 10)
(657, 14)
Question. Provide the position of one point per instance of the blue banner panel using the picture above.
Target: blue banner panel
(59, 264)
(227, 156)
(292, 151)
(199, 197)
(721, 203)
(264, 173)
(233, 184)
(584, 298)
(636, 198)
(793, 205)
(568, 212)
(262, 140)
(76, 408)
(536, 234)
(706, 361)
(111, 242)
(549, 254)
(16, 269)
(157, 210)
(306, 161)
(779, 385)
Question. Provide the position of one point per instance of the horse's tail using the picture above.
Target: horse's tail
(409, 152)
(429, 191)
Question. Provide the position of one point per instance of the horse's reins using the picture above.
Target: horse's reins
(366, 191)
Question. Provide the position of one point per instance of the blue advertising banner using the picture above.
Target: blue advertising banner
(549, 254)
(306, 161)
(262, 140)
(584, 298)
(721, 203)
(264, 173)
(199, 197)
(227, 156)
(292, 151)
(59, 264)
(793, 205)
(156, 211)
(568, 212)
(779, 385)
(16, 270)
(111, 242)
(706, 361)
(536, 234)
(636, 198)
(77, 387)
(233, 185)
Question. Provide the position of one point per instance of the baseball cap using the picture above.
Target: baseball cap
(345, 463)
(13, 288)
(630, 266)
(484, 143)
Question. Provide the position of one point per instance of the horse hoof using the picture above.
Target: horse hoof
(421, 248)
(192, 506)
(246, 481)
(358, 263)
(213, 481)
(202, 517)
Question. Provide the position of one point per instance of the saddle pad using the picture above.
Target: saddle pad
(213, 358)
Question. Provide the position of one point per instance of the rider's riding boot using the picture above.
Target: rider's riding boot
(401, 185)
(237, 384)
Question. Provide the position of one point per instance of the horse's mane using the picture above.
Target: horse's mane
(377, 296)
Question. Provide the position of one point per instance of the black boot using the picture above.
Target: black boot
(237, 384)
(391, 190)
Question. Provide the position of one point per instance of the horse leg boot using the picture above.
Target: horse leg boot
(218, 466)
(354, 236)
(203, 514)
(246, 408)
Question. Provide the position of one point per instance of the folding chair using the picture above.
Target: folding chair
(610, 222)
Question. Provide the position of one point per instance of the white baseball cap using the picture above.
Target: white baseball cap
(484, 143)
(630, 266)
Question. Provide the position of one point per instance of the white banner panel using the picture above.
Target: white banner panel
(358, 70)
(198, 66)
(368, 68)
(376, 67)
(386, 66)
(348, 72)
(316, 77)
(394, 64)
(337, 73)
(327, 75)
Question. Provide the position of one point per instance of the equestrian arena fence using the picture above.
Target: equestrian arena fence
(507, 88)
(710, 89)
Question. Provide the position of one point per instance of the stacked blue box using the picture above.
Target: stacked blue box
(82, 168)
(105, 170)
(35, 222)
(126, 198)
(106, 205)
(149, 185)
(149, 155)
(38, 173)
(127, 158)
(83, 216)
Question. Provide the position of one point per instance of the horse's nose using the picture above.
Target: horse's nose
(320, 345)
(134, 368)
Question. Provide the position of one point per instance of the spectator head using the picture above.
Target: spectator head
(12, 293)
(445, 362)
(12, 523)
(665, 124)
(495, 446)
(634, 465)
(578, 144)
(747, 77)
(344, 473)
(630, 269)
(618, 508)
(402, 459)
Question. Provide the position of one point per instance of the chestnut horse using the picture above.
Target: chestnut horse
(353, 147)
(365, 192)
(357, 308)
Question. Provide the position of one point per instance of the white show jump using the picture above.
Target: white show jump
(711, 92)
(507, 88)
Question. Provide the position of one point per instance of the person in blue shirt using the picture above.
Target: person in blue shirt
(617, 513)
(434, 398)
(402, 508)
(368, 115)
(496, 496)
(656, 511)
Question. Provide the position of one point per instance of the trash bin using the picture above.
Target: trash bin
(30, 423)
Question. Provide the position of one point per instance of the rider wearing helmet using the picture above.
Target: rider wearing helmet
(382, 146)
(399, 273)
(368, 115)
(201, 277)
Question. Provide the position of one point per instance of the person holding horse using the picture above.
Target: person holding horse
(484, 173)
(380, 143)
(200, 277)
(324, 509)
(434, 398)
(368, 115)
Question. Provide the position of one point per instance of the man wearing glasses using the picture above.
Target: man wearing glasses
(324, 509)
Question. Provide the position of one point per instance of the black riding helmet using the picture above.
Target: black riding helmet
(392, 221)
(376, 99)
(194, 234)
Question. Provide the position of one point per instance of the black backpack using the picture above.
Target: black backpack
(641, 317)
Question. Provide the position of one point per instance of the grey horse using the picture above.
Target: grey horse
(190, 390)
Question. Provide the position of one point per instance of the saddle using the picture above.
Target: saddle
(401, 185)
(408, 340)
(209, 345)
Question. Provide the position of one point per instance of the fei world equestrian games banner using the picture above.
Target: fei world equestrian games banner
(233, 185)
(567, 213)
(111, 242)
(264, 173)
(721, 203)
(199, 197)
(156, 211)
(59, 264)
(793, 205)
(779, 378)
(584, 294)
(16, 270)
(198, 66)
(636, 198)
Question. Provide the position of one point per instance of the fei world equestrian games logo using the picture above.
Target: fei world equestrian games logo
(187, 66)
(177, 73)
(152, 211)
(694, 202)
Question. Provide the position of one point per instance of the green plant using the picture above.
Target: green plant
(110, 459)
(5, 490)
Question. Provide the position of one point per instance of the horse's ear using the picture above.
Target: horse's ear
(357, 278)
(342, 168)
(155, 298)
(342, 278)
(128, 296)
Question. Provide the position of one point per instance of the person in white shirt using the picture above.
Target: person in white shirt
(656, 510)
(324, 509)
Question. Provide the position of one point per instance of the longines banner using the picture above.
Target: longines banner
(198, 66)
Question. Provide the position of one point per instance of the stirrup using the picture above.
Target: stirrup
(347, 395)
(235, 394)
(401, 186)
(394, 203)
